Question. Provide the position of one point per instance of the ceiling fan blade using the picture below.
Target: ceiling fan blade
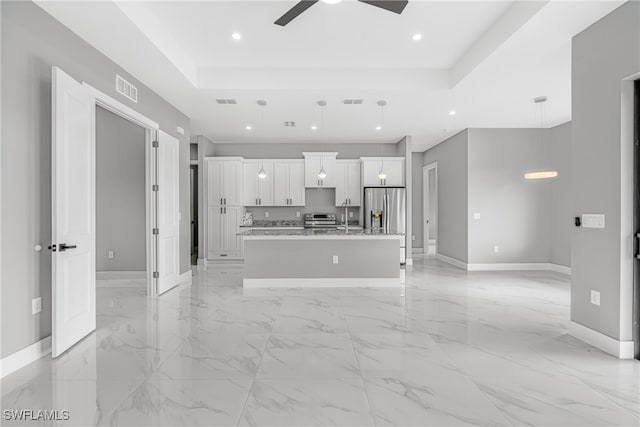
(296, 10)
(395, 6)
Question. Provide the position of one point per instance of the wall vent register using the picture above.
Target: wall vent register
(126, 89)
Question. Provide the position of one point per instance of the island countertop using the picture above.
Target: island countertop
(317, 234)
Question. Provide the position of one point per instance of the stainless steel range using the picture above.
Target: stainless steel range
(318, 220)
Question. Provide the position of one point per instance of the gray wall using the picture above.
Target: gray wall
(32, 41)
(295, 150)
(120, 193)
(433, 205)
(513, 211)
(451, 156)
(561, 209)
(416, 172)
(602, 55)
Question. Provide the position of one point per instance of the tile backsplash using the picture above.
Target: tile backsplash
(318, 200)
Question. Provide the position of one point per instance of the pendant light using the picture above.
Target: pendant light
(322, 174)
(262, 174)
(541, 173)
(382, 174)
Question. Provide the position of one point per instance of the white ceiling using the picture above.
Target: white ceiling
(486, 60)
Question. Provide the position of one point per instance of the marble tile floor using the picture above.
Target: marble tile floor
(450, 348)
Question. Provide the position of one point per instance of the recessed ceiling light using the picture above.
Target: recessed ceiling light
(331, 1)
(416, 37)
(314, 127)
(452, 112)
(236, 36)
(378, 127)
(248, 127)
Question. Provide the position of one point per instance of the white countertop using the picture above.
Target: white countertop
(306, 234)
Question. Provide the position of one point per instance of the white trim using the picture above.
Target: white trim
(431, 242)
(510, 266)
(453, 261)
(619, 349)
(202, 264)
(417, 250)
(27, 355)
(120, 275)
(186, 278)
(121, 283)
(562, 269)
(408, 261)
(117, 107)
(425, 204)
(322, 283)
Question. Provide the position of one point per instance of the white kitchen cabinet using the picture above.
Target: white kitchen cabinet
(348, 188)
(257, 191)
(224, 188)
(392, 166)
(223, 226)
(313, 162)
(224, 181)
(288, 183)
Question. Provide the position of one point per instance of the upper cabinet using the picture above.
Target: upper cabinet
(348, 188)
(393, 167)
(257, 191)
(313, 162)
(288, 183)
(224, 181)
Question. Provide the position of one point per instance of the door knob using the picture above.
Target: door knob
(64, 247)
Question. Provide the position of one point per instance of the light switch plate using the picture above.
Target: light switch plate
(335, 259)
(496, 249)
(266, 214)
(350, 214)
(476, 215)
(36, 305)
(297, 214)
(593, 220)
(110, 254)
(595, 297)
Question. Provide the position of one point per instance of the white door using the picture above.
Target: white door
(73, 204)
(296, 184)
(232, 183)
(342, 183)
(168, 244)
(354, 190)
(215, 194)
(250, 183)
(281, 184)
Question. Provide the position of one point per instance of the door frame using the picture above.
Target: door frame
(425, 205)
(151, 129)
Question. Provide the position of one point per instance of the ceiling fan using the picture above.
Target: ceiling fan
(395, 6)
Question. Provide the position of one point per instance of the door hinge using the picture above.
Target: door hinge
(156, 231)
(155, 144)
(155, 187)
(156, 275)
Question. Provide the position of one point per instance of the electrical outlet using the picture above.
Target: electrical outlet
(36, 305)
(350, 214)
(595, 297)
(335, 259)
(496, 249)
(297, 214)
(110, 254)
(266, 214)
(413, 237)
(476, 215)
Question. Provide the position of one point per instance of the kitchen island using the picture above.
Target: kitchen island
(320, 258)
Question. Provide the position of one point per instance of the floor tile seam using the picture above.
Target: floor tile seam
(636, 416)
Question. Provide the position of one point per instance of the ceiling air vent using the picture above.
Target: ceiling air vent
(227, 101)
(352, 101)
(125, 88)
(290, 124)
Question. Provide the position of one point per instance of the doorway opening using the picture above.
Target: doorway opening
(121, 253)
(636, 219)
(430, 209)
(193, 179)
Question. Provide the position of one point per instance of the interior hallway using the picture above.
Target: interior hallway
(451, 348)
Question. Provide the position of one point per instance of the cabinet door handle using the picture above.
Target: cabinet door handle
(225, 209)
(256, 201)
(220, 209)
(221, 199)
(225, 200)
(260, 201)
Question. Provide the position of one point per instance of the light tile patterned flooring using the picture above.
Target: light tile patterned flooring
(451, 348)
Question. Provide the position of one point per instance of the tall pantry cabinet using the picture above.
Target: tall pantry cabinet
(224, 207)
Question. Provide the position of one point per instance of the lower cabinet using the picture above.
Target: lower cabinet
(223, 227)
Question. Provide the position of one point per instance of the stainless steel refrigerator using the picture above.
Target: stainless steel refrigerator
(385, 209)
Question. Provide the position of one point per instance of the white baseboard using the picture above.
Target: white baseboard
(619, 349)
(560, 269)
(22, 358)
(202, 264)
(120, 275)
(408, 261)
(186, 278)
(121, 283)
(453, 261)
(322, 283)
